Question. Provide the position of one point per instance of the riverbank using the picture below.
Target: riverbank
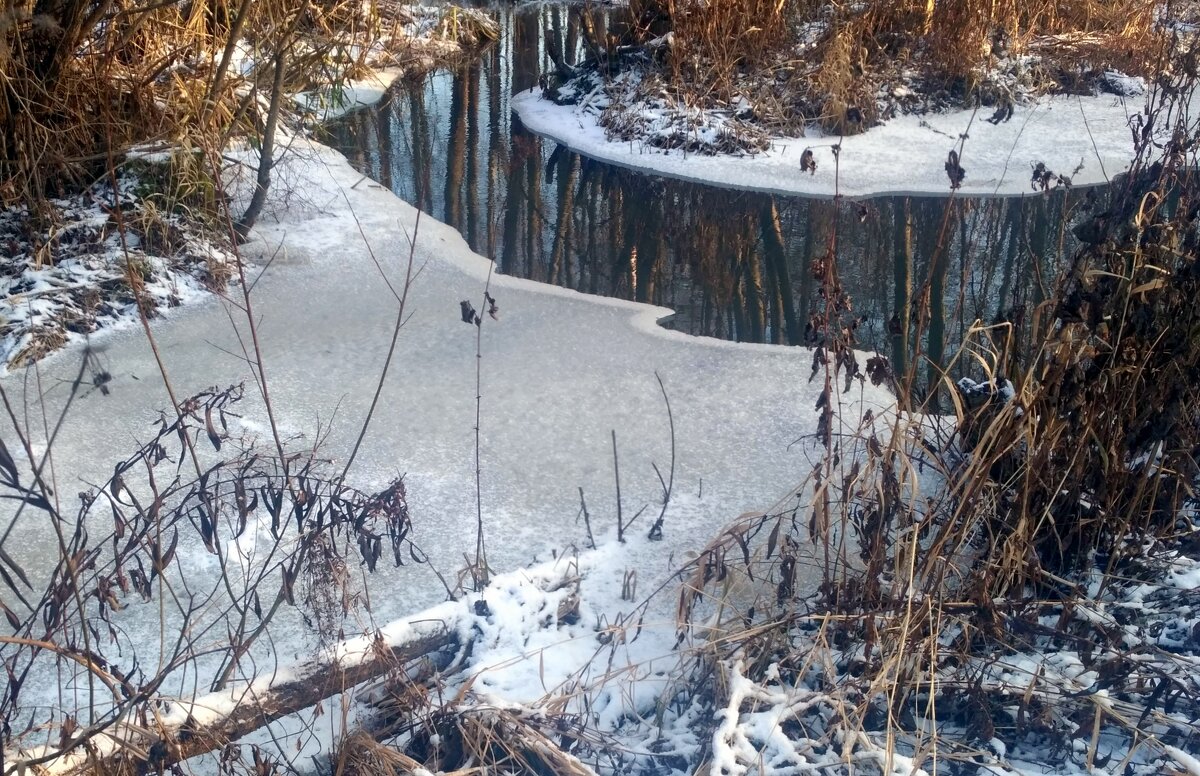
(742, 73)
(1023, 96)
(83, 263)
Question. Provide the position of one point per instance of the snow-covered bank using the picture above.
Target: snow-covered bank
(1084, 138)
(83, 274)
(73, 266)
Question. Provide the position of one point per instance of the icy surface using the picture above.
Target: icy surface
(1085, 138)
(560, 373)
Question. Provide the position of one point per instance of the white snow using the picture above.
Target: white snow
(906, 155)
(86, 288)
(1189, 762)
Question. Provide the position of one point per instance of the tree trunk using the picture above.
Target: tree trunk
(266, 157)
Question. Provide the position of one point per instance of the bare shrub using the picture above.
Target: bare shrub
(278, 531)
(967, 559)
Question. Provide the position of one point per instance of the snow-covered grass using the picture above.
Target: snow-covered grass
(774, 85)
(81, 266)
(780, 67)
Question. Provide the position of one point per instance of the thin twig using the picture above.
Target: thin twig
(587, 520)
(656, 529)
(387, 363)
(617, 478)
(481, 565)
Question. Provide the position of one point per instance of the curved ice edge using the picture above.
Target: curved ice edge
(647, 318)
(644, 317)
(1102, 137)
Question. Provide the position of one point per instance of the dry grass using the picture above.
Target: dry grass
(800, 60)
(138, 76)
(449, 730)
(83, 81)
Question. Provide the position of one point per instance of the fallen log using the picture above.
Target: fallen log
(210, 722)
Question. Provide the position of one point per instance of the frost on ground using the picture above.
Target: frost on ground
(1067, 696)
(91, 261)
(635, 107)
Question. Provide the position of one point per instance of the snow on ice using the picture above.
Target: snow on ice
(1087, 139)
(560, 372)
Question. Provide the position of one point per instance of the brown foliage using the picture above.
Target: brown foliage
(1072, 468)
(801, 60)
(86, 79)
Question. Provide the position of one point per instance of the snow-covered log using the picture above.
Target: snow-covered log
(194, 727)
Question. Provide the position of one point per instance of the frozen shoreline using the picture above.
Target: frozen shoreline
(905, 156)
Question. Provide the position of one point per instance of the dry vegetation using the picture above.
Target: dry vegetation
(767, 67)
(1017, 575)
(85, 80)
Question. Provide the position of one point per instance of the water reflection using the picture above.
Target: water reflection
(732, 264)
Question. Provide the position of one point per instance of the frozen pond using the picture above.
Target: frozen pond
(564, 376)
